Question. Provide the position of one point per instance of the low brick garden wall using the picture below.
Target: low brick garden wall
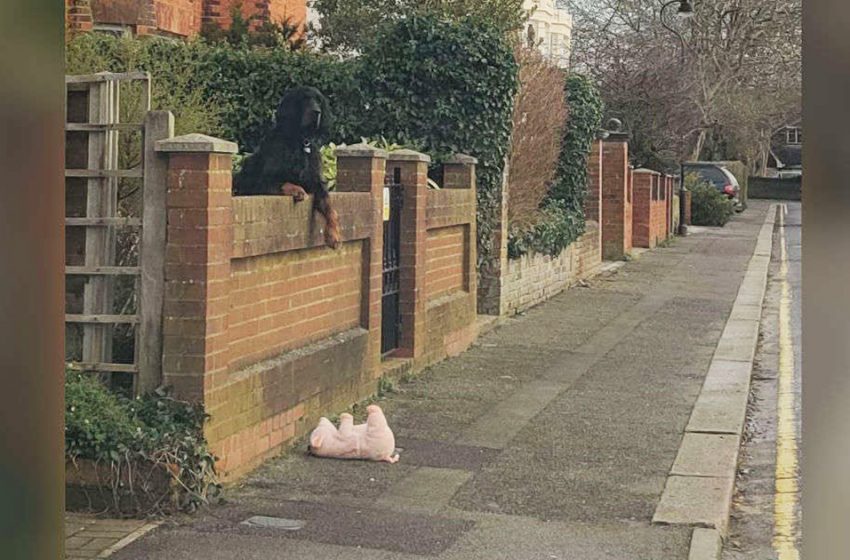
(271, 329)
(534, 278)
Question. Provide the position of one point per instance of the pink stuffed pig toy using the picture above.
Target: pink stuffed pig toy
(373, 440)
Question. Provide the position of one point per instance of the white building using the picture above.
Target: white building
(552, 29)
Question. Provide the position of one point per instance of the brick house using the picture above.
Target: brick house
(175, 18)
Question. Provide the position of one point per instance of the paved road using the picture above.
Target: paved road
(551, 439)
(766, 515)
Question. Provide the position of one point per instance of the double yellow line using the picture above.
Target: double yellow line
(787, 489)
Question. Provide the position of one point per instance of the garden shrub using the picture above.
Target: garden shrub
(136, 441)
(540, 111)
(709, 207)
(444, 87)
(550, 235)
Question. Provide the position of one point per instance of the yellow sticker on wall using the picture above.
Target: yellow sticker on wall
(386, 204)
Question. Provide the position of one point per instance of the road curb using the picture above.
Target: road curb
(706, 544)
(698, 494)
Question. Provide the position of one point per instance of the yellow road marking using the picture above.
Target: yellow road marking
(787, 490)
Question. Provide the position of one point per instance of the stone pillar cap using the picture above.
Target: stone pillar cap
(463, 159)
(408, 155)
(196, 143)
(645, 170)
(360, 150)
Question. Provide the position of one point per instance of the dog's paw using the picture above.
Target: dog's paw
(296, 192)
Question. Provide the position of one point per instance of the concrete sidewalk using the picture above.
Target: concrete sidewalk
(552, 438)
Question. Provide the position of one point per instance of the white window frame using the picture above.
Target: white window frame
(793, 135)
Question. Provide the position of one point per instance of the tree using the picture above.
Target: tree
(714, 85)
(347, 25)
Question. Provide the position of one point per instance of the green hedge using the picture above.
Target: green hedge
(445, 87)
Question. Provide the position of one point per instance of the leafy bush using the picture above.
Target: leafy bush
(247, 85)
(552, 233)
(709, 207)
(445, 87)
(284, 35)
(540, 111)
(136, 439)
(348, 25)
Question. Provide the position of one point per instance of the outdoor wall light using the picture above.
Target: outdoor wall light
(686, 9)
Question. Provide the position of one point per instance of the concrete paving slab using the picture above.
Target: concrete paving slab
(744, 312)
(738, 341)
(499, 427)
(713, 455)
(426, 490)
(718, 413)
(497, 537)
(696, 501)
(444, 455)
(727, 376)
(367, 527)
(706, 544)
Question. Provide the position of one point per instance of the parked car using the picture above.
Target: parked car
(717, 175)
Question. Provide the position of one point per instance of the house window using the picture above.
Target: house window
(793, 135)
(116, 30)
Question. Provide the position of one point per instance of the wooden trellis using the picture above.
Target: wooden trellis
(94, 143)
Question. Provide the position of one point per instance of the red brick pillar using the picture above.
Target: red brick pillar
(593, 202)
(459, 173)
(413, 168)
(78, 15)
(616, 195)
(361, 168)
(197, 263)
(642, 187)
(147, 23)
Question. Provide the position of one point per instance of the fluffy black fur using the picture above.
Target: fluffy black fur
(289, 155)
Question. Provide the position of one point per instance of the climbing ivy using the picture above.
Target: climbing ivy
(562, 216)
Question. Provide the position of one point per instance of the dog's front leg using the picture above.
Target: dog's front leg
(332, 235)
(293, 190)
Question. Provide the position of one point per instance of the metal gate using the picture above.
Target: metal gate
(390, 315)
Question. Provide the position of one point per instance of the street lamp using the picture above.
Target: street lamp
(686, 10)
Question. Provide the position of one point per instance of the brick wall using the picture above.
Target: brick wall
(451, 279)
(182, 18)
(534, 278)
(651, 193)
(616, 221)
(258, 11)
(444, 255)
(268, 327)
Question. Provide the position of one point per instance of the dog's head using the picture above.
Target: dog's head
(304, 113)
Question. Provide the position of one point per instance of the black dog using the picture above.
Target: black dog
(288, 160)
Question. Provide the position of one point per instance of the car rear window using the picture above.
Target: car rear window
(711, 174)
